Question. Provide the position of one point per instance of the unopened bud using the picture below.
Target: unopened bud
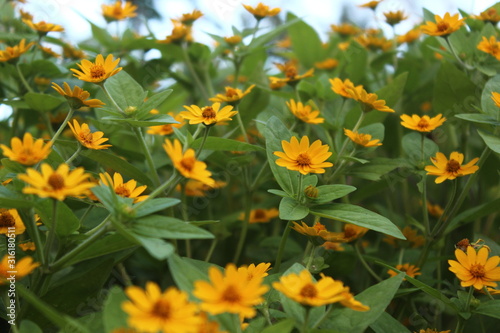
(311, 192)
(130, 110)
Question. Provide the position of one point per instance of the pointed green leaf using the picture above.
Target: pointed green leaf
(124, 90)
(67, 222)
(489, 308)
(113, 315)
(157, 248)
(478, 118)
(487, 104)
(214, 143)
(493, 142)
(168, 227)
(42, 102)
(154, 205)
(327, 193)
(290, 209)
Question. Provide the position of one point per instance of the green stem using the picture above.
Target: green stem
(173, 180)
(52, 231)
(465, 66)
(203, 140)
(39, 246)
(191, 70)
(237, 325)
(211, 250)
(306, 321)
(97, 227)
(300, 190)
(311, 257)
(78, 150)
(63, 125)
(281, 248)
(127, 281)
(185, 217)
(23, 79)
(110, 97)
(323, 317)
(425, 211)
(244, 228)
(147, 153)
(364, 263)
(259, 175)
(242, 127)
(461, 320)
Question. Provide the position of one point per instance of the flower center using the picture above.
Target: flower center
(161, 309)
(308, 291)
(349, 232)
(97, 71)
(452, 166)
(208, 113)
(188, 163)
(7, 220)
(303, 160)
(230, 92)
(291, 72)
(442, 26)
(56, 181)
(477, 270)
(231, 295)
(259, 214)
(319, 227)
(423, 124)
(363, 139)
(86, 138)
(122, 191)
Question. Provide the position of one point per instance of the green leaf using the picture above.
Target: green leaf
(267, 37)
(327, 193)
(359, 216)
(284, 326)
(42, 102)
(279, 193)
(153, 102)
(67, 222)
(357, 62)
(111, 161)
(487, 104)
(102, 36)
(388, 324)
(46, 68)
(215, 143)
(9, 199)
(168, 227)
(473, 213)
(29, 327)
(185, 272)
(124, 90)
(290, 209)
(377, 297)
(493, 142)
(154, 120)
(478, 118)
(489, 308)
(306, 43)
(154, 205)
(157, 248)
(113, 315)
(412, 146)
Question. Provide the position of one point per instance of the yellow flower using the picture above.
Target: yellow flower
(167, 129)
(232, 95)
(91, 140)
(371, 4)
(409, 37)
(435, 210)
(195, 188)
(304, 112)
(452, 168)
(43, 27)
(233, 40)
(57, 184)
(47, 52)
(496, 98)
(343, 88)
(489, 15)
(119, 11)
(77, 98)
(422, 124)
(126, 190)
(72, 53)
(253, 272)
(412, 237)
(208, 326)
(345, 29)
(317, 230)
(12, 53)
(208, 115)
(393, 18)
(25, 15)
(490, 46)
(10, 222)
(443, 26)
(302, 289)
(374, 43)
(22, 268)
(230, 292)
(262, 11)
(186, 162)
(302, 157)
(260, 215)
(277, 83)
(410, 270)
(97, 71)
(150, 310)
(475, 268)
(27, 152)
(180, 32)
(291, 73)
(351, 303)
(369, 101)
(27, 246)
(351, 232)
(189, 18)
(333, 246)
(327, 64)
(364, 140)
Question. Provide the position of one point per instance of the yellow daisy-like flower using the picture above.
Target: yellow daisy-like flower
(126, 190)
(23, 267)
(10, 222)
(443, 26)
(475, 268)
(258, 272)
(260, 215)
(345, 29)
(180, 33)
(73, 53)
(452, 168)
(291, 73)
(97, 71)
(186, 162)
(277, 83)
(393, 18)
(489, 15)
(490, 46)
(302, 289)
(233, 40)
(27, 152)
(374, 43)
(87, 138)
(119, 11)
(351, 232)
(167, 129)
(208, 115)
(369, 101)
(27, 246)
(371, 4)
(304, 112)
(412, 238)
(304, 158)
(25, 15)
(57, 184)
(13, 53)
(208, 326)
(195, 188)
(150, 310)
(48, 52)
(361, 139)
(189, 18)
(410, 270)
(333, 246)
(409, 37)
(422, 124)
(43, 27)
(317, 230)
(343, 88)
(435, 210)
(350, 302)
(230, 292)
(262, 11)
(327, 64)
(232, 95)
(77, 98)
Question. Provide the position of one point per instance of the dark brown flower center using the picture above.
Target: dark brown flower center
(122, 191)
(97, 71)
(291, 72)
(308, 291)
(86, 138)
(231, 295)
(452, 166)
(423, 124)
(303, 159)
(442, 26)
(188, 163)
(7, 220)
(230, 92)
(56, 181)
(161, 309)
(477, 270)
(208, 113)
(349, 232)
(260, 214)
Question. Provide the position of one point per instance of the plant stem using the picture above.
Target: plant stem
(203, 140)
(63, 125)
(52, 232)
(242, 127)
(364, 263)
(462, 320)
(110, 97)
(173, 180)
(211, 250)
(425, 211)
(323, 317)
(281, 248)
(244, 228)
(78, 150)
(306, 321)
(147, 154)
(22, 78)
(191, 70)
